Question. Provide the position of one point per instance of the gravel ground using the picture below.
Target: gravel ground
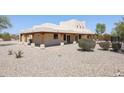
(60, 61)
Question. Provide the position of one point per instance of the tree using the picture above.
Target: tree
(100, 28)
(119, 28)
(4, 22)
(114, 33)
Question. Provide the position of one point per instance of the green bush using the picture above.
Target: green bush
(86, 44)
(116, 46)
(104, 45)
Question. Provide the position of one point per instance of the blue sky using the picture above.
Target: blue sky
(20, 22)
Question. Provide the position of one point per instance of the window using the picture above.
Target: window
(64, 37)
(79, 36)
(55, 36)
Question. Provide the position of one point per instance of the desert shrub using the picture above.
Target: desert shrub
(104, 45)
(10, 52)
(18, 54)
(116, 46)
(86, 44)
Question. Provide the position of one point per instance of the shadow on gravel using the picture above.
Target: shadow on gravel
(103, 49)
(2, 76)
(120, 52)
(81, 50)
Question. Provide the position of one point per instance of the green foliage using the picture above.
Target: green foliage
(107, 37)
(114, 33)
(6, 36)
(100, 28)
(116, 46)
(119, 28)
(86, 44)
(104, 45)
(4, 22)
(0, 35)
(18, 54)
(100, 37)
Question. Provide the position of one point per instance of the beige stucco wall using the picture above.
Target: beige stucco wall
(23, 37)
(37, 38)
(48, 36)
(49, 39)
(83, 36)
(72, 37)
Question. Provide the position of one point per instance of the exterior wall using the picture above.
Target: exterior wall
(83, 36)
(48, 38)
(72, 37)
(37, 39)
(29, 37)
(23, 37)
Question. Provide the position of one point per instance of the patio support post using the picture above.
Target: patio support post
(25, 39)
(20, 39)
(61, 39)
(74, 42)
(33, 44)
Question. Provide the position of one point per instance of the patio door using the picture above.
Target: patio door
(68, 38)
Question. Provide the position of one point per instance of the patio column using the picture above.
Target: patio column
(74, 40)
(25, 39)
(20, 38)
(61, 39)
(33, 44)
(42, 41)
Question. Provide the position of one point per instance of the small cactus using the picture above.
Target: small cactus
(18, 54)
(10, 52)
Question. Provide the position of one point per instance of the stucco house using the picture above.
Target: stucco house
(49, 34)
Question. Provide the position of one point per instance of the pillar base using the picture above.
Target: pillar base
(62, 43)
(33, 44)
(42, 46)
(74, 42)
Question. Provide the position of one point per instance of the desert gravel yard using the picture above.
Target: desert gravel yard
(59, 61)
